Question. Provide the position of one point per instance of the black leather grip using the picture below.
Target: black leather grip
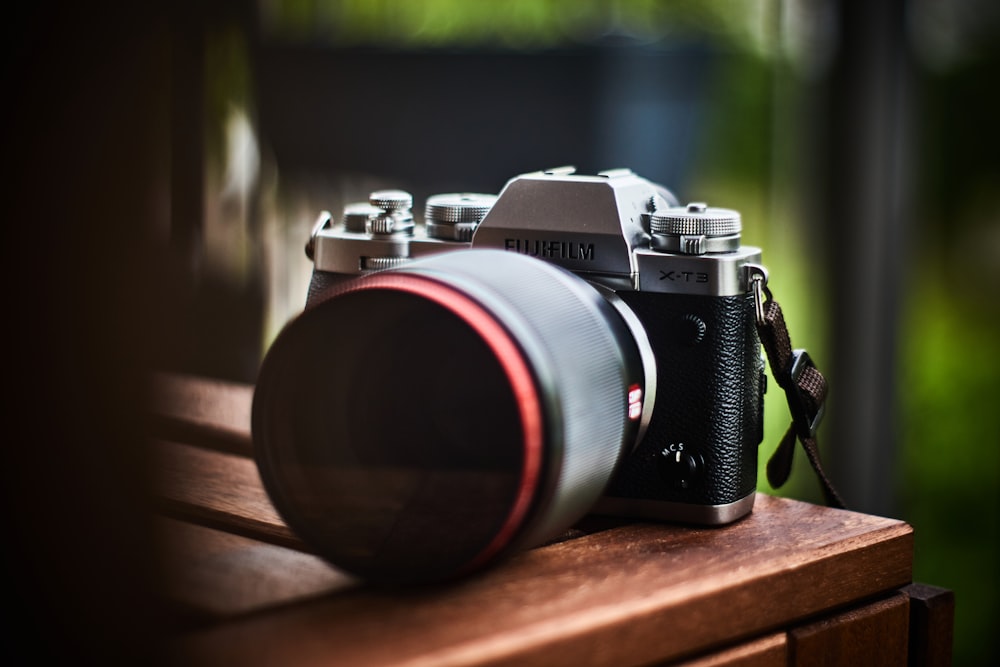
(709, 398)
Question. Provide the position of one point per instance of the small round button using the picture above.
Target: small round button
(680, 469)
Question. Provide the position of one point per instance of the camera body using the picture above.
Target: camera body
(677, 276)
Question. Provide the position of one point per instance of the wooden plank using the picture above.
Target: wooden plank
(633, 594)
(212, 575)
(204, 412)
(875, 634)
(217, 490)
(769, 651)
(932, 622)
(629, 595)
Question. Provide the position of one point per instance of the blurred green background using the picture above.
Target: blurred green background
(859, 142)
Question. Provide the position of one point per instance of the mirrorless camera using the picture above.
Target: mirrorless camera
(461, 388)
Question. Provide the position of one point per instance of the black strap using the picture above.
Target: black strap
(805, 388)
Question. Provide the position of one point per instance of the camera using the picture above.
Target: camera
(473, 383)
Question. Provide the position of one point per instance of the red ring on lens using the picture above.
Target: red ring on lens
(518, 374)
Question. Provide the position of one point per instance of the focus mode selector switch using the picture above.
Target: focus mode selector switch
(680, 469)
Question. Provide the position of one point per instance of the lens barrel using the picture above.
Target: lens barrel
(415, 424)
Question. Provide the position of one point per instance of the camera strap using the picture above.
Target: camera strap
(804, 386)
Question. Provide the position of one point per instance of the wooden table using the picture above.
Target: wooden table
(793, 583)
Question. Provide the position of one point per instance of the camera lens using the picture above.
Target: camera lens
(414, 424)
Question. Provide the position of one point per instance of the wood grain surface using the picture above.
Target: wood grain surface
(207, 412)
(623, 594)
(874, 634)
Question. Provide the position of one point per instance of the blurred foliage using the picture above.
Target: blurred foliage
(950, 347)
(522, 24)
(228, 83)
(950, 456)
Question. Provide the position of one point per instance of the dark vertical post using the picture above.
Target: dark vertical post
(187, 131)
(932, 625)
(81, 133)
(863, 206)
